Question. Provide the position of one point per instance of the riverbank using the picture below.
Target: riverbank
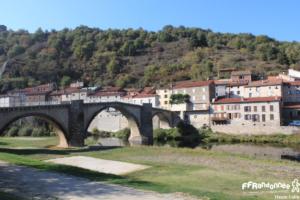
(279, 139)
(197, 172)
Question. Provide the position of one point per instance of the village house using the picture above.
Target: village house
(164, 95)
(255, 111)
(241, 76)
(236, 89)
(264, 88)
(291, 91)
(146, 95)
(201, 92)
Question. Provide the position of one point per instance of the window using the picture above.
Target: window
(194, 90)
(250, 94)
(195, 116)
(247, 108)
(203, 89)
(203, 97)
(238, 92)
(166, 102)
(263, 108)
(263, 117)
(271, 117)
(247, 117)
(255, 108)
(166, 96)
(271, 108)
(255, 118)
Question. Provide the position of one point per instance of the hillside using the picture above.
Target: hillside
(135, 57)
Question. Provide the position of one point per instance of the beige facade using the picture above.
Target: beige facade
(164, 97)
(198, 119)
(251, 111)
(264, 88)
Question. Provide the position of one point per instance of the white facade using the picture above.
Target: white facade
(12, 100)
(71, 96)
(141, 99)
(235, 91)
(294, 73)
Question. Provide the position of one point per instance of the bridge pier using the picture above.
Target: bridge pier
(76, 133)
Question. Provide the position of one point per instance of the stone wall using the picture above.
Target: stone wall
(255, 130)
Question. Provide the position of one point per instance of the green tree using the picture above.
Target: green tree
(65, 81)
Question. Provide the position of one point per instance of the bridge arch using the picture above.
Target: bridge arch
(161, 120)
(59, 129)
(129, 113)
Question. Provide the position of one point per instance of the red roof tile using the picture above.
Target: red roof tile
(246, 100)
(265, 83)
(292, 82)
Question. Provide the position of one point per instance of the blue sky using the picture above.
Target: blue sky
(277, 18)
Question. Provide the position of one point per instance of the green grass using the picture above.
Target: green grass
(35, 142)
(198, 172)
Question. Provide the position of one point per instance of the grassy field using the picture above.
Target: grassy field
(198, 172)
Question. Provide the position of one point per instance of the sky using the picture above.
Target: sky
(279, 19)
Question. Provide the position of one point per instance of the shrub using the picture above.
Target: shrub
(95, 131)
(122, 134)
(25, 131)
(13, 131)
(159, 135)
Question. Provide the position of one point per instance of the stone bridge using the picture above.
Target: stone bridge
(71, 121)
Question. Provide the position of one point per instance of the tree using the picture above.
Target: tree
(113, 67)
(65, 81)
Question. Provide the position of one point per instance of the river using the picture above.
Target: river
(269, 151)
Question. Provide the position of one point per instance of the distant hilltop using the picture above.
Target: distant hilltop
(136, 57)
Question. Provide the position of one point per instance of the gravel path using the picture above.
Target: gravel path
(99, 165)
(36, 184)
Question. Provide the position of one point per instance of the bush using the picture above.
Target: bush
(25, 131)
(122, 134)
(160, 135)
(13, 131)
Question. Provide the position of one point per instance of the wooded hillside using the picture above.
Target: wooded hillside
(135, 57)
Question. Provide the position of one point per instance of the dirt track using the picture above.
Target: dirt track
(36, 184)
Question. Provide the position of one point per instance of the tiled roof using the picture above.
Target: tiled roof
(292, 83)
(265, 83)
(238, 83)
(246, 100)
(222, 81)
(187, 84)
(105, 93)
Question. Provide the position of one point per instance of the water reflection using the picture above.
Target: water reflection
(256, 150)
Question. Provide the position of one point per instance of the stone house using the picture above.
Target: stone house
(241, 76)
(264, 88)
(255, 111)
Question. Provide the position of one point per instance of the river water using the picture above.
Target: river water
(268, 151)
